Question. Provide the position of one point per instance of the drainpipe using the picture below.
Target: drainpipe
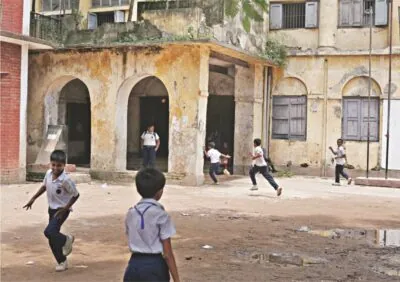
(389, 88)
(266, 108)
(324, 119)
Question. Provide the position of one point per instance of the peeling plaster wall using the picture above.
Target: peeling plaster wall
(110, 76)
(346, 77)
(221, 84)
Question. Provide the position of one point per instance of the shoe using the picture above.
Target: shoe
(279, 191)
(336, 184)
(349, 181)
(67, 249)
(62, 266)
(254, 188)
(216, 183)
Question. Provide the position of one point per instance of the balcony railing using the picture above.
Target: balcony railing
(46, 28)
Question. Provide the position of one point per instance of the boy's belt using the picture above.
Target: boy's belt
(145, 255)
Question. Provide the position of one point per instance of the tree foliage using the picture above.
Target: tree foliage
(252, 10)
(275, 51)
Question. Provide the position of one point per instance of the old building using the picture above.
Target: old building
(321, 94)
(95, 94)
(15, 45)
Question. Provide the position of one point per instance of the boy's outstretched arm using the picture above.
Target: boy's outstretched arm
(170, 259)
(33, 199)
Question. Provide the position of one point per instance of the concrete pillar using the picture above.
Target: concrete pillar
(396, 23)
(328, 22)
(188, 125)
(248, 114)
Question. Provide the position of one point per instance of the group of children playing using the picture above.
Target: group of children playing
(148, 226)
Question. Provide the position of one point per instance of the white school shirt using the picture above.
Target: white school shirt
(340, 152)
(59, 191)
(150, 138)
(145, 234)
(214, 156)
(259, 161)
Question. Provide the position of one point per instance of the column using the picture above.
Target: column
(328, 17)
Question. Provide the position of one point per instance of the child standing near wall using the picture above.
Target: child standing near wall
(340, 159)
(149, 229)
(61, 195)
(215, 158)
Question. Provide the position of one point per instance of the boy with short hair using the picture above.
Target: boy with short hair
(61, 195)
(260, 166)
(215, 158)
(340, 159)
(149, 229)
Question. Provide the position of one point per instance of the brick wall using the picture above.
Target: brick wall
(11, 17)
(9, 112)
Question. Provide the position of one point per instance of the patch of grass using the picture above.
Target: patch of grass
(284, 174)
(35, 176)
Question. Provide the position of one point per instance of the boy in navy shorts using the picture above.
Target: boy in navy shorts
(61, 195)
(149, 230)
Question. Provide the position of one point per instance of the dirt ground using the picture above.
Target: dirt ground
(243, 228)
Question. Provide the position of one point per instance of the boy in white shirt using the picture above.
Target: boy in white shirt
(61, 195)
(215, 157)
(260, 166)
(340, 158)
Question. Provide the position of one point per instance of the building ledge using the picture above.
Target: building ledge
(19, 39)
(337, 52)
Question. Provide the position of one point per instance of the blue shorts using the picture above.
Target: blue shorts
(147, 267)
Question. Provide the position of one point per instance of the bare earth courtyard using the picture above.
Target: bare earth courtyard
(245, 230)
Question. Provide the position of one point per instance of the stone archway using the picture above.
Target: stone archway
(148, 104)
(67, 105)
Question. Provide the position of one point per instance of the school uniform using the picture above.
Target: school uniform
(146, 225)
(59, 193)
(340, 162)
(215, 158)
(149, 148)
(260, 166)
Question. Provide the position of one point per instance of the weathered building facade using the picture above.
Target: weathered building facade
(321, 94)
(191, 71)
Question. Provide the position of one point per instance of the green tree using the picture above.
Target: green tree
(252, 10)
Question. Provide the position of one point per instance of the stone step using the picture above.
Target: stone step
(378, 182)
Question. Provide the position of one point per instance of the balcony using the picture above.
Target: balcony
(47, 28)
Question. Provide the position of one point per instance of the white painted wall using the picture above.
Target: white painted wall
(23, 105)
(394, 149)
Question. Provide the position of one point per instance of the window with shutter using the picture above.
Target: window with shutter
(381, 12)
(355, 119)
(289, 117)
(92, 21)
(345, 13)
(275, 16)
(46, 5)
(311, 15)
(358, 12)
(119, 16)
(96, 3)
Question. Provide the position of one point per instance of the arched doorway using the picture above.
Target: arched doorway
(74, 113)
(148, 104)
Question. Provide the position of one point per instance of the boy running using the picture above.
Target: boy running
(61, 195)
(215, 158)
(340, 158)
(260, 166)
(149, 229)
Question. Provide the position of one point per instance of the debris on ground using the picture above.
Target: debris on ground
(81, 266)
(185, 214)
(30, 263)
(281, 258)
(188, 258)
(207, 247)
(104, 186)
(304, 229)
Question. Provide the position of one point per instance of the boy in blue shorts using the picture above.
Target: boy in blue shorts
(149, 230)
(61, 195)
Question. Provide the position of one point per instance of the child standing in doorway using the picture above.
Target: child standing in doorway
(215, 158)
(149, 229)
(61, 195)
(340, 159)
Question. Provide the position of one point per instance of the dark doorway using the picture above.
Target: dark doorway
(78, 121)
(155, 110)
(221, 123)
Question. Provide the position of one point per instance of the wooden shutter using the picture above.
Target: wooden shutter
(115, 3)
(311, 15)
(275, 16)
(345, 13)
(358, 12)
(373, 119)
(351, 119)
(297, 117)
(280, 117)
(381, 12)
(119, 16)
(125, 2)
(92, 21)
(46, 5)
